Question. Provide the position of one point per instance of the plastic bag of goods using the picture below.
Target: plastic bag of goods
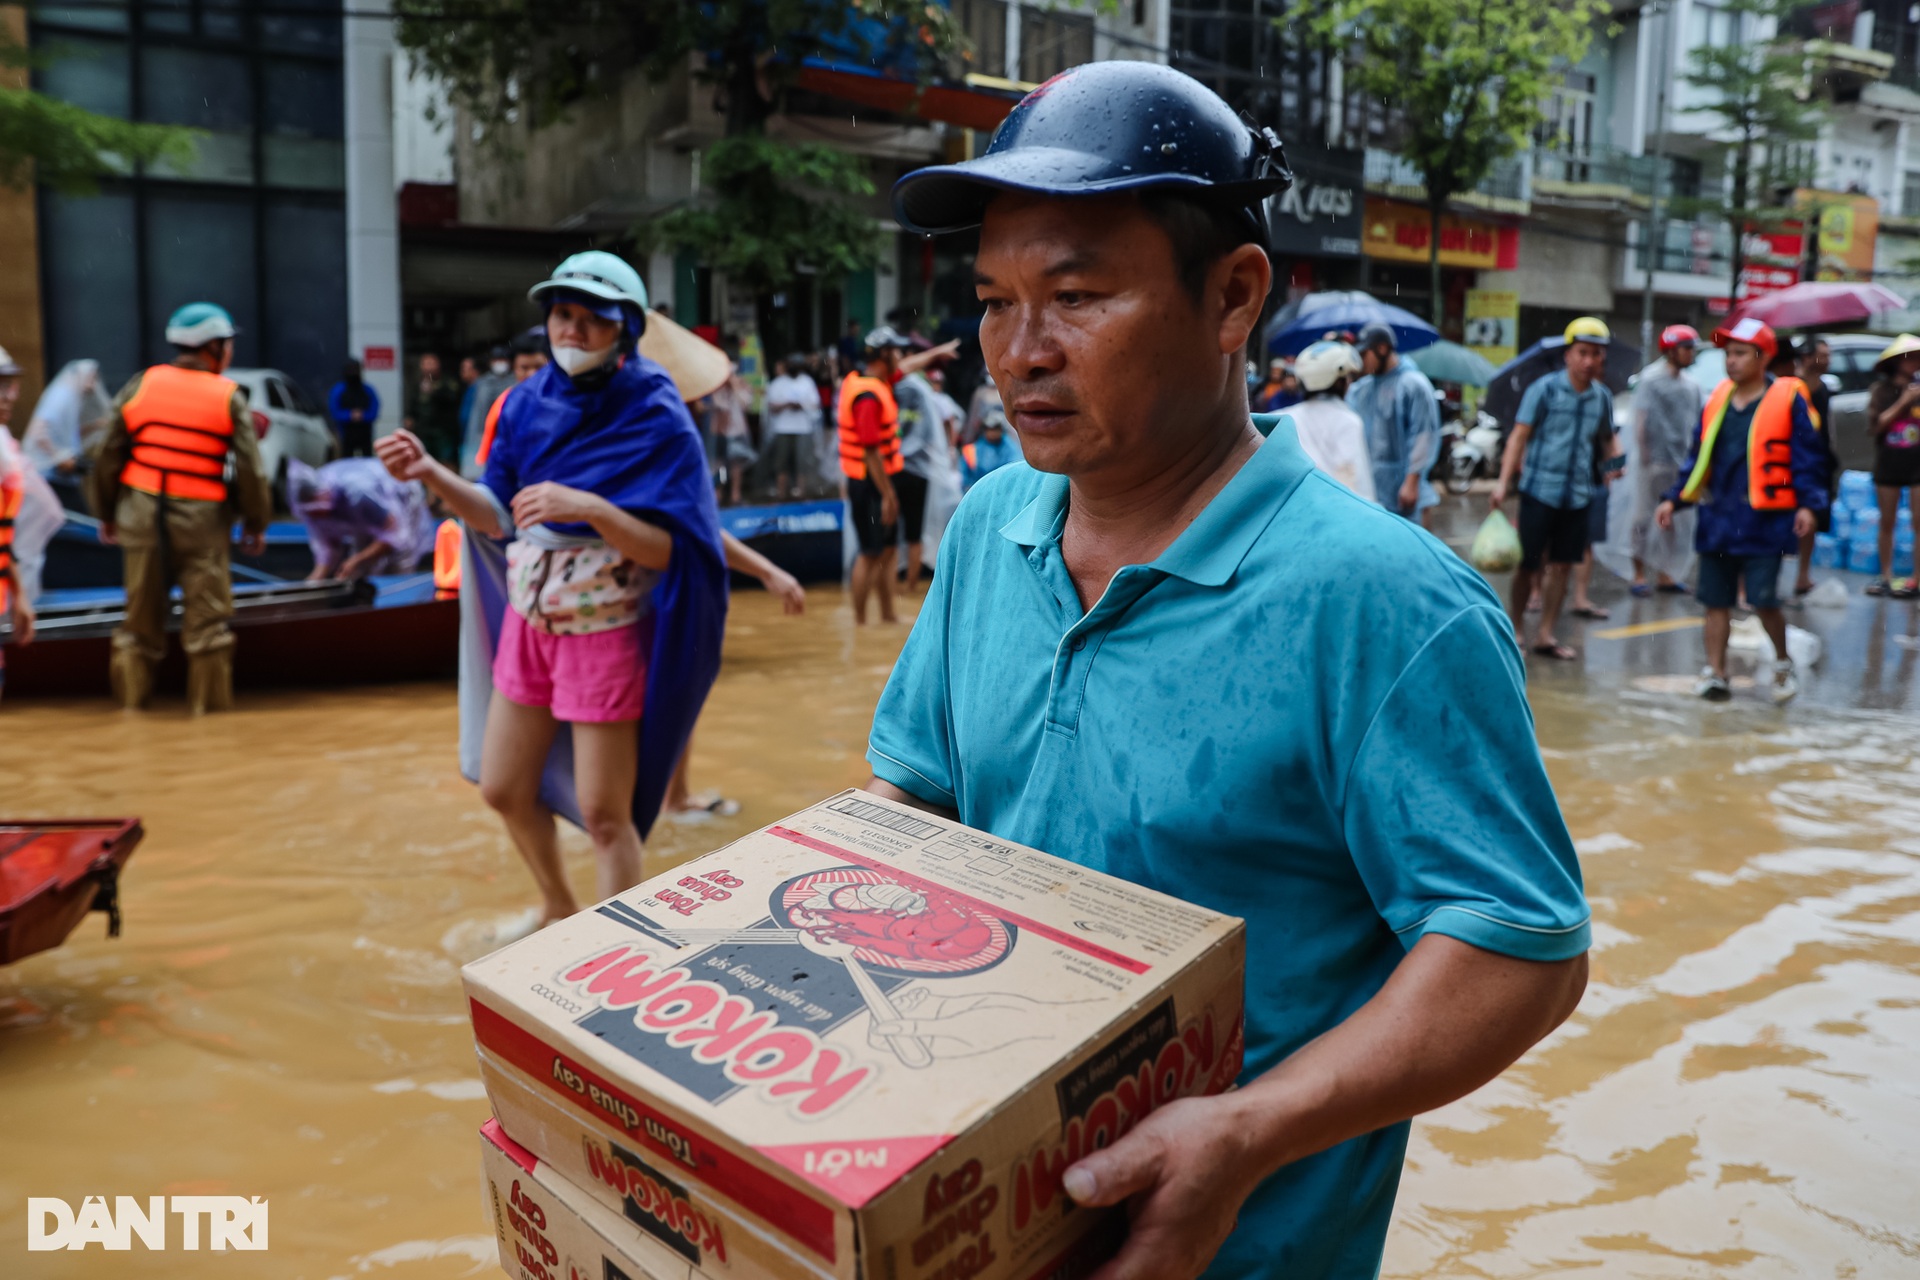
(1830, 594)
(1748, 636)
(1496, 548)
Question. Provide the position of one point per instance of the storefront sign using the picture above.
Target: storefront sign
(1320, 215)
(1849, 225)
(1400, 232)
(1493, 324)
(377, 359)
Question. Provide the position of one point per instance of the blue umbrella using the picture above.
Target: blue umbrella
(1511, 380)
(1451, 362)
(1301, 323)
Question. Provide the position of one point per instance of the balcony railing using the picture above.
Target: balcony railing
(1540, 173)
(1389, 170)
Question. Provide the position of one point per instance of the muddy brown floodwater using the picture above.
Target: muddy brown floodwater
(1737, 1096)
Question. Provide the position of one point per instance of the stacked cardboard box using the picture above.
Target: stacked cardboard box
(861, 1044)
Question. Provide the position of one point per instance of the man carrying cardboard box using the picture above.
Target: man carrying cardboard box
(1171, 651)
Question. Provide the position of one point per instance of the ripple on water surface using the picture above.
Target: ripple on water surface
(1735, 1097)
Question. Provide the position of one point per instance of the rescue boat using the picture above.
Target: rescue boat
(53, 873)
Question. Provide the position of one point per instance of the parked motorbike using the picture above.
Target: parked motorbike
(1471, 453)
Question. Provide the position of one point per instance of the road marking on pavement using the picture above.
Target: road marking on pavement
(1646, 629)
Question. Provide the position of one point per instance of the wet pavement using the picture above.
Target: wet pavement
(282, 1018)
(1870, 648)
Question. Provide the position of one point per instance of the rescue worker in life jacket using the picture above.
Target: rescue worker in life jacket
(179, 462)
(1757, 471)
(869, 421)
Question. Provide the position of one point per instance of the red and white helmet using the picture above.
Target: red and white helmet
(1753, 332)
(1679, 335)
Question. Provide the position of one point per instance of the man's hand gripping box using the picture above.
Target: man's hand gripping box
(863, 1043)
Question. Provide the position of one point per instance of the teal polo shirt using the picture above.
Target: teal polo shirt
(1307, 712)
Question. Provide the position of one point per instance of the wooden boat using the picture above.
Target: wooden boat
(804, 538)
(296, 633)
(53, 873)
(373, 631)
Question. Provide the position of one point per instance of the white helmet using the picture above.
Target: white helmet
(1325, 363)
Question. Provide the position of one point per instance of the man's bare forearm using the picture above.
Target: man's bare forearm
(1516, 450)
(1451, 1018)
(877, 473)
(887, 791)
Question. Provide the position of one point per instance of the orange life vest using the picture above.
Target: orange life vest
(853, 455)
(11, 491)
(1769, 445)
(493, 425)
(446, 556)
(181, 427)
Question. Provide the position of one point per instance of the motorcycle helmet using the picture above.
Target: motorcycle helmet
(1323, 364)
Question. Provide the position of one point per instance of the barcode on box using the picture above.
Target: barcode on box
(880, 816)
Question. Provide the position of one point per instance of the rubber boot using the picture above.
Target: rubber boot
(210, 681)
(130, 672)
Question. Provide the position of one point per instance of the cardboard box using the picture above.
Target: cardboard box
(700, 1054)
(549, 1230)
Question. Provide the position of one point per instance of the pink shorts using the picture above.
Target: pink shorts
(595, 678)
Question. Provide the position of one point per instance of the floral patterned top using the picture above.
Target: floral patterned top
(570, 591)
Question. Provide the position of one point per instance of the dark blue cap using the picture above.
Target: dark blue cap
(1100, 128)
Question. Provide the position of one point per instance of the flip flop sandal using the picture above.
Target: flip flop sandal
(1558, 652)
(1880, 588)
(1640, 591)
(1590, 611)
(1905, 589)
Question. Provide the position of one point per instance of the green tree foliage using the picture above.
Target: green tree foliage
(62, 147)
(1464, 82)
(767, 206)
(1759, 91)
(773, 205)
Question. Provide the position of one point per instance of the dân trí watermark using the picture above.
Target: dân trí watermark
(230, 1222)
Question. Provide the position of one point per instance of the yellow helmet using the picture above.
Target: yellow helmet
(1588, 329)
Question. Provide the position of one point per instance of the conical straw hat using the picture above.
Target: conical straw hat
(696, 365)
(1900, 346)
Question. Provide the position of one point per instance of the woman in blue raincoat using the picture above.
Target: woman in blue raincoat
(595, 593)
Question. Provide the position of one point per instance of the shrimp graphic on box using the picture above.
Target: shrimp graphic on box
(869, 921)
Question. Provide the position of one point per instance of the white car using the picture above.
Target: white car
(289, 424)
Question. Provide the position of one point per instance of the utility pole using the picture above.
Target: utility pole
(1655, 239)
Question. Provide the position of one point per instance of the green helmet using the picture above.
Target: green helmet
(598, 274)
(197, 324)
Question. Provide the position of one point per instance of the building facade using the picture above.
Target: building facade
(519, 201)
(261, 220)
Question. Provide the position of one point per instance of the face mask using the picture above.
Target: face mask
(578, 359)
(498, 366)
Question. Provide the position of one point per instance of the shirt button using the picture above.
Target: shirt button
(1079, 644)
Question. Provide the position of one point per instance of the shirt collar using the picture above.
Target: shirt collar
(1210, 549)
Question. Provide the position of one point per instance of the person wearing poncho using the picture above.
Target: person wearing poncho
(595, 593)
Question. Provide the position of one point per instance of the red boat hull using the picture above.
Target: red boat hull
(53, 873)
